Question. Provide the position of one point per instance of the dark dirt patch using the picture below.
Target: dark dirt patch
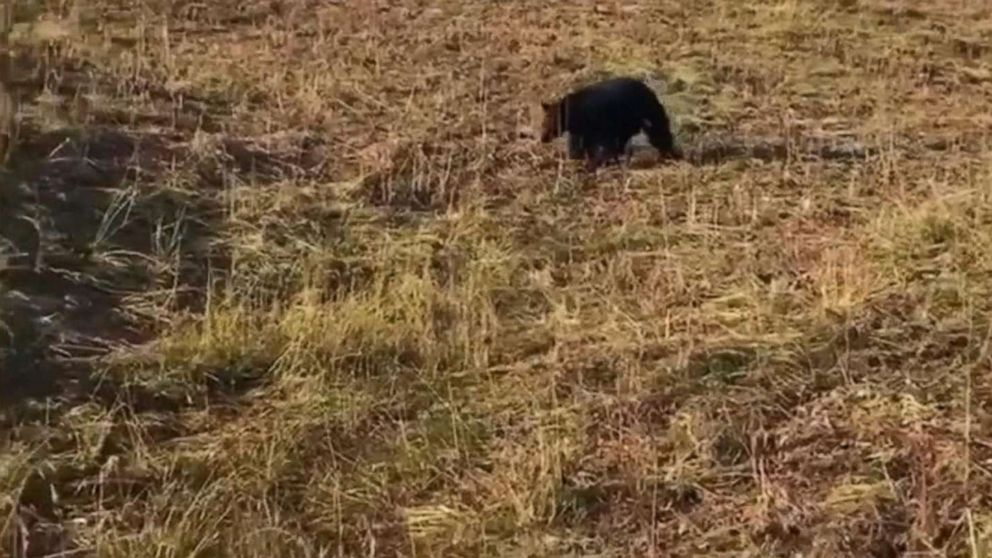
(101, 229)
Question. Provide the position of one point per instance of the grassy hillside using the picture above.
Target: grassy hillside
(310, 287)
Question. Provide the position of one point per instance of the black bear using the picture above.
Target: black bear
(602, 117)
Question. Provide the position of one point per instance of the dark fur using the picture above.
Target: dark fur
(602, 117)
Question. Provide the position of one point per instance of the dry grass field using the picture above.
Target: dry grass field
(311, 287)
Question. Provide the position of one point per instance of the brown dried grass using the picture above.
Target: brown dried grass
(421, 333)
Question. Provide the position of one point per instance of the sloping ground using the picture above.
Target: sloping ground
(309, 286)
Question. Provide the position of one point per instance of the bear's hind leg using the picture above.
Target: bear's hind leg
(576, 146)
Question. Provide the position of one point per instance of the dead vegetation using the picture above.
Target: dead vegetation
(308, 286)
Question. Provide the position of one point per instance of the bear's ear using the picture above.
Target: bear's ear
(546, 106)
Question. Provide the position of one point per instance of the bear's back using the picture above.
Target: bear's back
(613, 102)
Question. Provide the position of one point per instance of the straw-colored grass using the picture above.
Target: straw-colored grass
(328, 296)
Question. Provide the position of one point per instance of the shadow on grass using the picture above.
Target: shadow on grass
(106, 228)
(91, 228)
(102, 227)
